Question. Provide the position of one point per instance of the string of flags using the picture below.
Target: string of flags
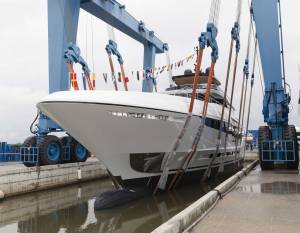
(134, 74)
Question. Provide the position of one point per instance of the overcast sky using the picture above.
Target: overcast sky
(24, 51)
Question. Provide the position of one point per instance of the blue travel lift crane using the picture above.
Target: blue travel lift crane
(63, 18)
(278, 143)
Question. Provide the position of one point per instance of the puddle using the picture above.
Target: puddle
(278, 187)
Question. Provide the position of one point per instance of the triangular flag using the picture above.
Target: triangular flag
(105, 77)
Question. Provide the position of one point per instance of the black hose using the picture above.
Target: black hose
(31, 126)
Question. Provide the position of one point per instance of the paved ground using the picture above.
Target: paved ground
(263, 202)
(251, 156)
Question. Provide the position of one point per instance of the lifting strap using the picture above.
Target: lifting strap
(165, 164)
(72, 55)
(87, 79)
(252, 83)
(112, 70)
(188, 158)
(86, 76)
(246, 75)
(111, 36)
(234, 38)
(207, 38)
(112, 48)
(84, 81)
(244, 92)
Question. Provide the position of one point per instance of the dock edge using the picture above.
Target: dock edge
(196, 211)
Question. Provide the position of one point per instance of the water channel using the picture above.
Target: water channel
(71, 209)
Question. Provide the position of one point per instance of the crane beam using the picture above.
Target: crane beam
(114, 14)
(62, 27)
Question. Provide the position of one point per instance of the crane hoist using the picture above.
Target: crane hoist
(277, 140)
(72, 55)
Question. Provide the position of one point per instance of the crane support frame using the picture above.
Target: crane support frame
(62, 28)
(267, 18)
(276, 100)
(63, 16)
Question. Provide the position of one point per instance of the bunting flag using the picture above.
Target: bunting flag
(105, 77)
(140, 74)
(162, 69)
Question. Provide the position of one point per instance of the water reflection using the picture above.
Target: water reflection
(70, 209)
(70, 219)
(277, 187)
(280, 187)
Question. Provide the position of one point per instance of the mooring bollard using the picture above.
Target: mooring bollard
(79, 175)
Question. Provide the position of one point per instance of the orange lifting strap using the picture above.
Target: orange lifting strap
(163, 178)
(74, 83)
(72, 77)
(191, 154)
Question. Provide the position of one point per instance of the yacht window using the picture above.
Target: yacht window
(199, 96)
(212, 123)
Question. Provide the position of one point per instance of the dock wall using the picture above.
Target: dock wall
(21, 180)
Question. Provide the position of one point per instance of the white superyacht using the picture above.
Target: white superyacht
(130, 132)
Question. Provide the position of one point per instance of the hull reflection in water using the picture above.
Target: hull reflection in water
(70, 209)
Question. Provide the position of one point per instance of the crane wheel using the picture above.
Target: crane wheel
(66, 142)
(264, 134)
(289, 133)
(29, 142)
(50, 150)
(78, 152)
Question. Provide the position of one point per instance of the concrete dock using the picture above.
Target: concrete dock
(264, 201)
(17, 179)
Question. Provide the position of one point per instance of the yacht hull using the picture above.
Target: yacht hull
(131, 139)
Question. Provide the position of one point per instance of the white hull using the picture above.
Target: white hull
(114, 125)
